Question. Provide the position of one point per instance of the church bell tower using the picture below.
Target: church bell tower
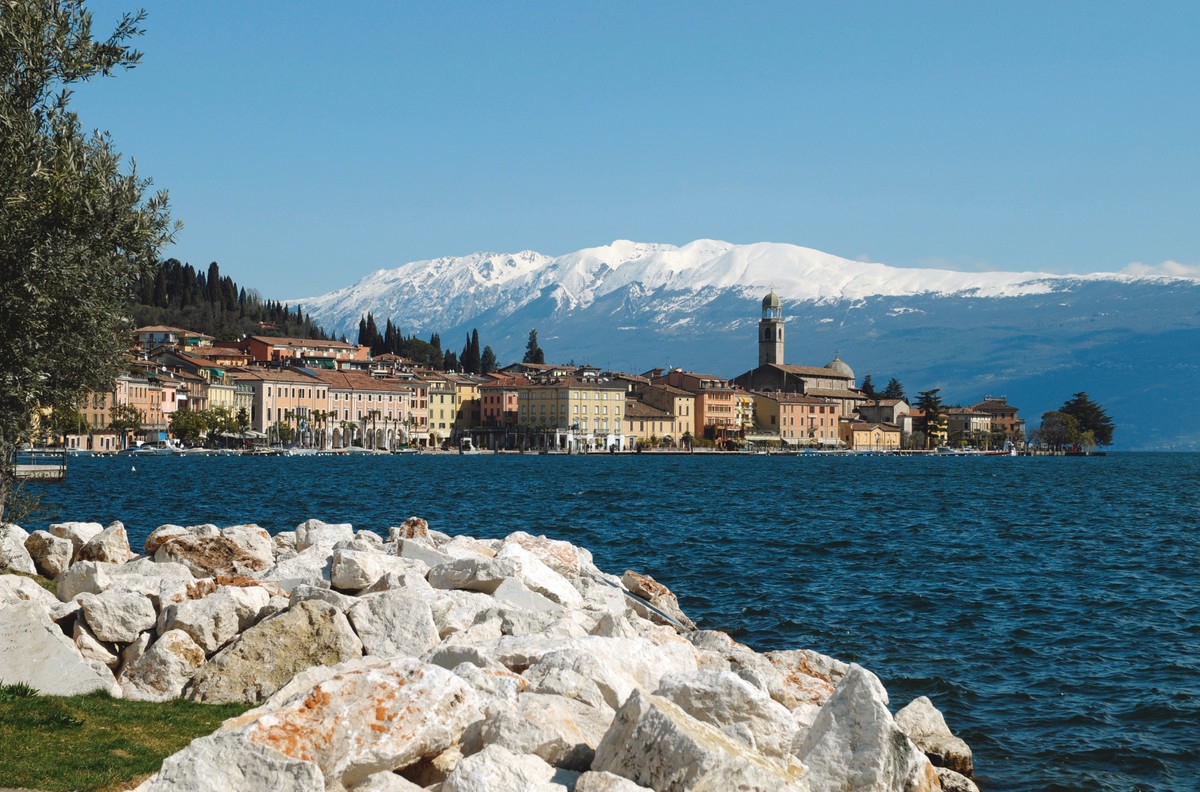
(770, 331)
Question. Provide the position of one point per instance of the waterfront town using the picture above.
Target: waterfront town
(269, 392)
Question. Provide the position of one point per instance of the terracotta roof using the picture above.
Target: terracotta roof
(810, 371)
(861, 426)
(357, 381)
(672, 390)
(792, 398)
(835, 394)
(304, 342)
(162, 329)
(638, 409)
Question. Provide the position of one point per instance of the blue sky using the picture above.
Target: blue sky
(306, 144)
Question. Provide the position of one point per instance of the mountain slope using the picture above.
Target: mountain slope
(1034, 337)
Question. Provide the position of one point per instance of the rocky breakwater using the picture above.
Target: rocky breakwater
(428, 661)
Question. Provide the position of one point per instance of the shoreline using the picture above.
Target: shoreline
(490, 623)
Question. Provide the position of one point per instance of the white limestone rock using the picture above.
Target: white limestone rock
(387, 782)
(90, 577)
(15, 588)
(855, 743)
(561, 731)
(311, 566)
(131, 653)
(617, 666)
(926, 727)
(110, 546)
(746, 663)
(463, 546)
(394, 624)
(13, 555)
(655, 743)
(450, 654)
(381, 716)
(315, 533)
(513, 593)
(162, 671)
(420, 551)
(34, 650)
(164, 533)
(265, 657)
(455, 611)
(51, 554)
(601, 781)
(92, 648)
(496, 769)
(118, 616)
(212, 621)
(225, 762)
(494, 683)
(79, 533)
(954, 782)
(563, 557)
(734, 706)
(551, 679)
(411, 580)
(284, 541)
(253, 539)
(536, 576)
(808, 679)
(342, 602)
(354, 570)
(472, 574)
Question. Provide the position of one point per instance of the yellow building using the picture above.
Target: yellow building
(572, 413)
(646, 425)
(870, 436)
(679, 403)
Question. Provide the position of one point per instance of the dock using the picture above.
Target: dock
(40, 466)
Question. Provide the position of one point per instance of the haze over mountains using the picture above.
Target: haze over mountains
(1131, 342)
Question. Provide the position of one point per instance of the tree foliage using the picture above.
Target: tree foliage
(392, 341)
(933, 420)
(1058, 430)
(533, 352)
(178, 295)
(894, 390)
(77, 229)
(868, 388)
(1091, 418)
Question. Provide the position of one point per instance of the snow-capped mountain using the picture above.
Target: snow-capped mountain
(1035, 337)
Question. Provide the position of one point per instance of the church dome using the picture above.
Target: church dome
(838, 365)
(771, 301)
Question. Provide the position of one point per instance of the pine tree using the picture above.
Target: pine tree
(487, 361)
(868, 387)
(1091, 417)
(933, 421)
(894, 390)
(533, 352)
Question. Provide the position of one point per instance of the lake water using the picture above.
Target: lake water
(1050, 607)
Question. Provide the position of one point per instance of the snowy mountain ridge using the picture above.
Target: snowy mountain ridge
(430, 294)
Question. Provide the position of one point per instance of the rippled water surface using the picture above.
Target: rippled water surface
(1049, 607)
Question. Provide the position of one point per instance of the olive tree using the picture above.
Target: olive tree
(77, 228)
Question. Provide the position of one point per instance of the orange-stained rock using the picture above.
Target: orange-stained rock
(380, 716)
(657, 595)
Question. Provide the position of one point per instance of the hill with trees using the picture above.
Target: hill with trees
(178, 295)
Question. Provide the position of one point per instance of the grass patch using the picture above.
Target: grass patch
(94, 742)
